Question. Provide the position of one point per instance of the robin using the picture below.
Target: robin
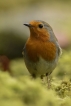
(42, 50)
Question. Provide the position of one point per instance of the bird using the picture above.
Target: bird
(41, 51)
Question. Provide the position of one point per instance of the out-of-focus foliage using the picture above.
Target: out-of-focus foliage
(63, 70)
(11, 44)
(8, 4)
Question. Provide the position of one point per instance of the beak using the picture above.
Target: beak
(28, 25)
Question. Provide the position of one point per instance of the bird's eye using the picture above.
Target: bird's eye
(40, 26)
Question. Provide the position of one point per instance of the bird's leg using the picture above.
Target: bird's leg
(33, 75)
(48, 80)
(41, 77)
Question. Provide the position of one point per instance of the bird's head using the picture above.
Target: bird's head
(40, 30)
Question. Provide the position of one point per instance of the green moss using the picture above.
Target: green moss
(23, 90)
(27, 92)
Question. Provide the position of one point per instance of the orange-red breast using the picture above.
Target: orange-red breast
(41, 51)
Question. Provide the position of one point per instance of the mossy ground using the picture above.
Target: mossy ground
(23, 90)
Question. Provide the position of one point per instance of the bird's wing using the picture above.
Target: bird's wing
(59, 51)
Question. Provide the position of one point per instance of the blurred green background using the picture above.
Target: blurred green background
(20, 90)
